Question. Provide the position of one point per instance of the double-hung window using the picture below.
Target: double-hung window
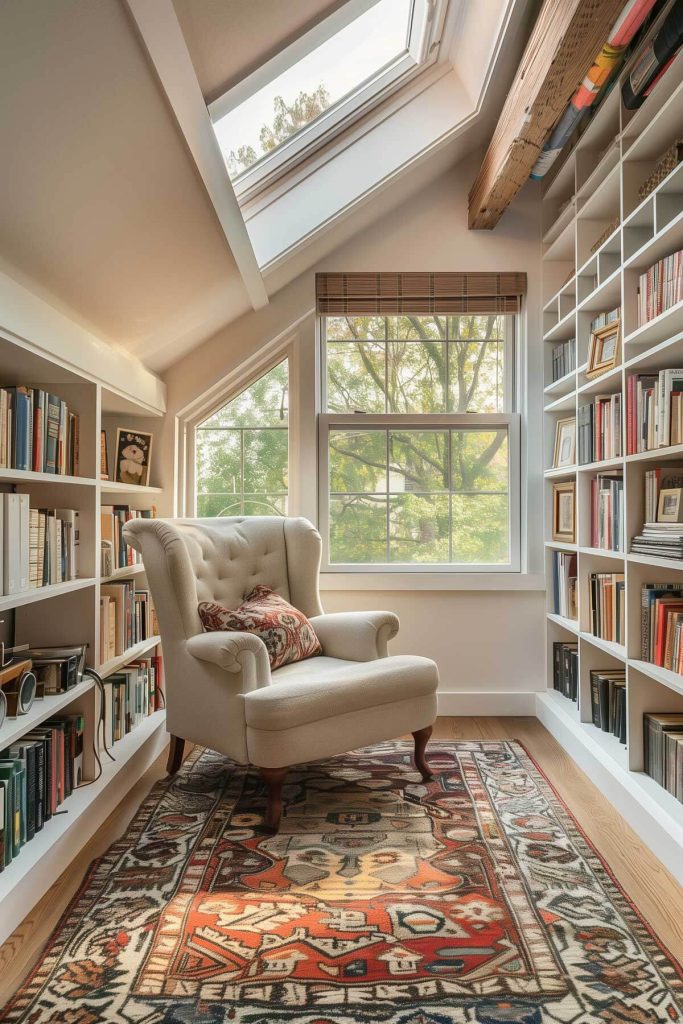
(419, 437)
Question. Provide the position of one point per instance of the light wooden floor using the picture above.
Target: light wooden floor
(650, 886)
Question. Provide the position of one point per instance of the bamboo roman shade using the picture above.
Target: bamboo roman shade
(363, 294)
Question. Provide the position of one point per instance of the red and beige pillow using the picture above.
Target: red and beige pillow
(286, 632)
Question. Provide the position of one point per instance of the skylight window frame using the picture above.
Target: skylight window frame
(426, 22)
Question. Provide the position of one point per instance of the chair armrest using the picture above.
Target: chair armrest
(235, 652)
(355, 636)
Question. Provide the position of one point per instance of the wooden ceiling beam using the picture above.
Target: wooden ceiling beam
(563, 44)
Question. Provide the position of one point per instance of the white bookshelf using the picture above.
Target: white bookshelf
(68, 613)
(597, 182)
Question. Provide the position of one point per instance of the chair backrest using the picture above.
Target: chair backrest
(223, 559)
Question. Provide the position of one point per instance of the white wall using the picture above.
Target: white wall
(487, 643)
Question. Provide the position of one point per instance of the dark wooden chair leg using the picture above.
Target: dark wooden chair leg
(421, 738)
(175, 755)
(274, 779)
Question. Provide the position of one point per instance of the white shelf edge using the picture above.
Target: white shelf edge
(22, 476)
(552, 474)
(596, 467)
(661, 675)
(558, 545)
(44, 593)
(114, 664)
(124, 573)
(41, 861)
(617, 651)
(571, 625)
(14, 728)
(617, 556)
(657, 821)
(115, 487)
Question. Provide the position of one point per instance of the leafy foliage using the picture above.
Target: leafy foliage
(288, 119)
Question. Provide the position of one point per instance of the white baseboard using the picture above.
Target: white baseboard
(488, 702)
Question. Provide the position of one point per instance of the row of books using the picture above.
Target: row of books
(608, 701)
(564, 584)
(126, 618)
(607, 606)
(662, 625)
(663, 750)
(113, 519)
(38, 432)
(566, 669)
(599, 428)
(660, 287)
(564, 358)
(654, 410)
(130, 695)
(38, 547)
(37, 774)
(607, 511)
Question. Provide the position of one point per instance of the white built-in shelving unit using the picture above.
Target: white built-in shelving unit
(599, 182)
(68, 613)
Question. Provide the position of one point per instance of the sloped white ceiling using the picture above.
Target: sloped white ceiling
(102, 210)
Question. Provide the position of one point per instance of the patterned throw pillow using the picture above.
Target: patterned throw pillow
(286, 632)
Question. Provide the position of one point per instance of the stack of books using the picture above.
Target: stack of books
(664, 540)
(663, 742)
(566, 669)
(654, 410)
(37, 774)
(607, 511)
(126, 618)
(607, 606)
(113, 519)
(662, 625)
(660, 287)
(564, 584)
(608, 701)
(599, 429)
(564, 358)
(130, 695)
(38, 547)
(38, 432)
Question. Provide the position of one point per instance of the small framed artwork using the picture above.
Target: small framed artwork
(564, 512)
(604, 352)
(565, 443)
(133, 452)
(104, 459)
(670, 505)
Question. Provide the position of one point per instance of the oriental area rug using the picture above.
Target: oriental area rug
(472, 898)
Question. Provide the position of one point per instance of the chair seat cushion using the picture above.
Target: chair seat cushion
(328, 687)
(286, 632)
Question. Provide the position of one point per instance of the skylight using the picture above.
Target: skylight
(317, 82)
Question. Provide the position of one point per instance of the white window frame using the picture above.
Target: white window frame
(432, 421)
(241, 383)
(426, 23)
(419, 421)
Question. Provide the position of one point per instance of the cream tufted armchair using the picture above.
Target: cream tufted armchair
(220, 691)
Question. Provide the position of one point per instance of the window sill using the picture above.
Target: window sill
(432, 581)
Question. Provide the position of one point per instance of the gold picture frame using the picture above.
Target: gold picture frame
(564, 455)
(564, 512)
(604, 353)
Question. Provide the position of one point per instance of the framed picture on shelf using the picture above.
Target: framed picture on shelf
(565, 443)
(104, 460)
(670, 505)
(604, 352)
(133, 452)
(564, 512)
